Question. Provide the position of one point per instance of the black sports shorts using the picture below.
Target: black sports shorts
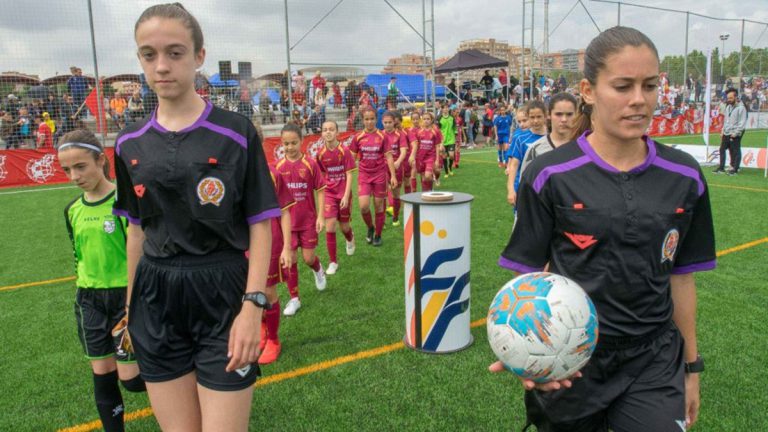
(626, 386)
(181, 312)
(97, 310)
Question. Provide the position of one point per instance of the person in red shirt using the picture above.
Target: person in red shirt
(412, 140)
(337, 164)
(336, 95)
(375, 159)
(397, 142)
(44, 134)
(281, 260)
(303, 177)
(424, 150)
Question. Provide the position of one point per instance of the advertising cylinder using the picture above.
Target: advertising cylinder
(437, 271)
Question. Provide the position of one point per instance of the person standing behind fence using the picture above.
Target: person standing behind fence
(392, 93)
(734, 124)
(77, 85)
(487, 82)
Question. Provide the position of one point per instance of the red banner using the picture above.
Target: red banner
(273, 147)
(692, 122)
(39, 167)
(34, 167)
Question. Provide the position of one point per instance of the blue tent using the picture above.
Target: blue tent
(273, 94)
(410, 85)
(215, 81)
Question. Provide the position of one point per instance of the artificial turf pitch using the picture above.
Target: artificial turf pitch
(343, 366)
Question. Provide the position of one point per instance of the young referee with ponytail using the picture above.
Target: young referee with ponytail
(629, 219)
(193, 181)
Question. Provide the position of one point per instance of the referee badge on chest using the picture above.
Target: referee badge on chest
(669, 246)
(211, 190)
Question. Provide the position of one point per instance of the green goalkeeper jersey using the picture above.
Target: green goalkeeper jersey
(448, 129)
(98, 240)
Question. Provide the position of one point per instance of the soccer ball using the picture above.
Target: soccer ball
(542, 326)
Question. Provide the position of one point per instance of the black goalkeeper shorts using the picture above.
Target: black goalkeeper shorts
(97, 311)
(625, 387)
(182, 309)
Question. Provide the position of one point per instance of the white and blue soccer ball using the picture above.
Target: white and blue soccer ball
(542, 326)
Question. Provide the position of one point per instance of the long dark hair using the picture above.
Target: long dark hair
(560, 97)
(606, 43)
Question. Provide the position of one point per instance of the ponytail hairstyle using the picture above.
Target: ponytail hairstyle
(536, 104)
(174, 11)
(291, 127)
(599, 49)
(85, 140)
(561, 97)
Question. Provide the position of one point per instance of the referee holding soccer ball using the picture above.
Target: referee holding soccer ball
(628, 219)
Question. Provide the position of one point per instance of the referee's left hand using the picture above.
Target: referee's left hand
(692, 398)
(531, 385)
(244, 337)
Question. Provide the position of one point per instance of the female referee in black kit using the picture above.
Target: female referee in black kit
(629, 220)
(194, 184)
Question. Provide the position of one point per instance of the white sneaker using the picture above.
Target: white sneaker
(332, 267)
(320, 279)
(293, 305)
(351, 247)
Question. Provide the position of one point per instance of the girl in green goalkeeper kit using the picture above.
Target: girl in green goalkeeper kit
(98, 241)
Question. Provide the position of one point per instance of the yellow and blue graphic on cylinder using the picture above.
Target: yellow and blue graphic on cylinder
(437, 312)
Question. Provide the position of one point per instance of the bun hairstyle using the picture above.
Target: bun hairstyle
(291, 127)
(599, 49)
(85, 140)
(178, 12)
(535, 104)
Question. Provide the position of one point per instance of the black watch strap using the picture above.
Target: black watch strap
(696, 366)
(258, 298)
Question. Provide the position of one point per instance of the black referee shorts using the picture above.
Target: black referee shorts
(97, 311)
(182, 309)
(635, 388)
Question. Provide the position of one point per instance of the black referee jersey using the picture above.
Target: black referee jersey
(620, 235)
(194, 191)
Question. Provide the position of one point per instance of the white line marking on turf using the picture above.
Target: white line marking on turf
(36, 190)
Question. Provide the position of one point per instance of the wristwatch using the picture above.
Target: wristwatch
(695, 366)
(258, 298)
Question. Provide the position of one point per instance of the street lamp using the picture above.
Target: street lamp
(723, 37)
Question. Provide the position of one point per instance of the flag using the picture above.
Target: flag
(92, 102)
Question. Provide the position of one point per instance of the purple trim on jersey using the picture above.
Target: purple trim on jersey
(127, 136)
(226, 132)
(125, 214)
(703, 266)
(516, 266)
(547, 172)
(586, 147)
(267, 214)
(199, 122)
(682, 170)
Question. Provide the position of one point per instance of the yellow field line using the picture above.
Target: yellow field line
(738, 187)
(272, 379)
(742, 246)
(317, 367)
(31, 284)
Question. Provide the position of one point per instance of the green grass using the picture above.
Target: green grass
(45, 381)
(752, 138)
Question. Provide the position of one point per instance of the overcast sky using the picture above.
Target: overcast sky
(46, 37)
